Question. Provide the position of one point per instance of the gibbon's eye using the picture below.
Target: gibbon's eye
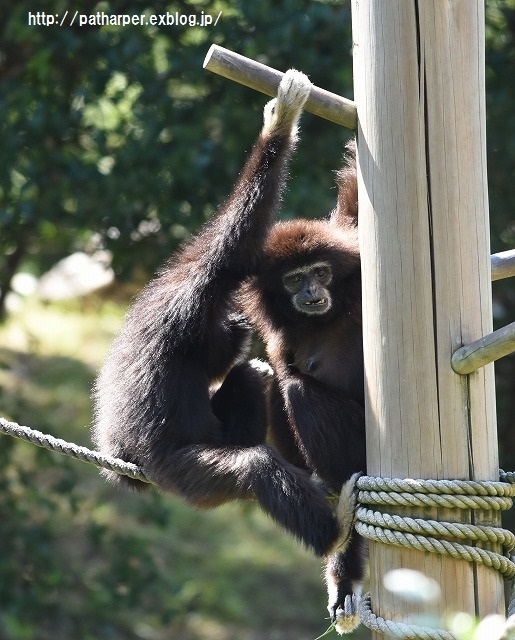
(292, 282)
(321, 273)
(292, 278)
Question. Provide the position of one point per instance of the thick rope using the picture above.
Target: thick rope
(446, 538)
(399, 629)
(73, 450)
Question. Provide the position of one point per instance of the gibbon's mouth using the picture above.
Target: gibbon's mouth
(313, 307)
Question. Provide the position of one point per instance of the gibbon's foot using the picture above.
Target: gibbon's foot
(344, 581)
(347, 617)
(345, 512)
(282, 113)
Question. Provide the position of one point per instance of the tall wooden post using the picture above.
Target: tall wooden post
(419, 91)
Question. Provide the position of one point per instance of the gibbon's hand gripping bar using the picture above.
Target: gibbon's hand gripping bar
(266, 80)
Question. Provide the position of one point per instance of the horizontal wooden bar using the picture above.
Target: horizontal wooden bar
(266, 80)
(500, 343)
(477, 354)
(503, 264)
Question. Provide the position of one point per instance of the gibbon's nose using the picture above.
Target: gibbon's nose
(312, 289)
(313, 294)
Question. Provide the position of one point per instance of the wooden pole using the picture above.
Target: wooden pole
(419, 92)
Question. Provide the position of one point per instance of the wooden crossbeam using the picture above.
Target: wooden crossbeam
(477, 354)
(503, 264)
(266, 80)
(497, 344)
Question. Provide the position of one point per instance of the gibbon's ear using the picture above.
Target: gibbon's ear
(346, 212)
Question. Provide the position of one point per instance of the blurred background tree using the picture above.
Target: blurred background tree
(115, 138)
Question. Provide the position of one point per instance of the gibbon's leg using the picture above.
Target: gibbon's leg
(209, 476)
(344, 575)
(345, 569)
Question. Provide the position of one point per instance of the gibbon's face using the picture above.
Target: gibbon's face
(308, 288)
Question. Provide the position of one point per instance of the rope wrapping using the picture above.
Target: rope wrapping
(449, 487)
(487, 503)
(446, 538)
(443, 547)
(398, 629)
(480, 533)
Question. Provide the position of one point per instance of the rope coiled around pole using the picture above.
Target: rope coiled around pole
(398, 629)
(445, 538)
